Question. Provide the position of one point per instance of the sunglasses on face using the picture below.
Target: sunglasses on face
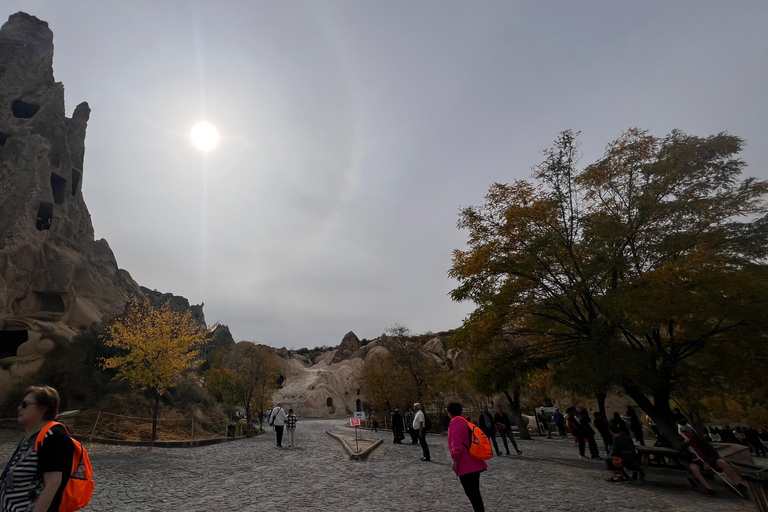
(24, 404)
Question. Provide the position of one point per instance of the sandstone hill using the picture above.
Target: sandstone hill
(327, 386)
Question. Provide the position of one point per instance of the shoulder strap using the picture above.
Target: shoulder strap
(43, 431)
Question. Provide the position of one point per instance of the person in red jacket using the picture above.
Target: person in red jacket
(466, 467)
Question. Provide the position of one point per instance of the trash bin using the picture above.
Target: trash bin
(758, 485)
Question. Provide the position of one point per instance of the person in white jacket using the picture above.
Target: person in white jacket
(277, 420)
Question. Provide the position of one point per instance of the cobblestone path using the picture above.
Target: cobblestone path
(255, 475)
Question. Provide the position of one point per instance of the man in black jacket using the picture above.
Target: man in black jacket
(505, 430)
(488, 426)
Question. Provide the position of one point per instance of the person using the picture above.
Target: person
(374, 422)
(576, 428)
(544, 421)
(623, 449)
(619, 422)
(704, 456)
(679, 417)
(488, 426)
(397, 427)
(409, 425)
(755, 444)
(504, 427)
(420, 425)
(635, 425)
(277, 420)
(601, 424)
(560, 422)
(466, 467)
(290, 427)
(36, 479)
(589, 434)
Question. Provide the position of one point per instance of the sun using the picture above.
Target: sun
(204, 136)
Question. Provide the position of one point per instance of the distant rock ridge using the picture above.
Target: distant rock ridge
(329, 385)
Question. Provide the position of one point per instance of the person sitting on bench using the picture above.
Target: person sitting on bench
(704, 456)
(623, 455)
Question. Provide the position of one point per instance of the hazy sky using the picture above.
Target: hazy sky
(352, 133)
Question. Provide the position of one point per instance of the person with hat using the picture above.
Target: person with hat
(704, 456)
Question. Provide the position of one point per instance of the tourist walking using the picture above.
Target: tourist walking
(488, 426)
(544, 422)
(290, 427)
(504, 426)
(635, 425)
(35, 478)
(409, 425)
(277, 420)
(397, 427)
(466, 467)
(420, 425)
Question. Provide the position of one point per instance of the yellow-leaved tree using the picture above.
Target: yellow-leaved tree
(160, 344)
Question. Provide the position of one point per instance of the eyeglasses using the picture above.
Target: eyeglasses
(24, 404)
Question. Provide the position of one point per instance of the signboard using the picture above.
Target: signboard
(354, 422)
(360, 415)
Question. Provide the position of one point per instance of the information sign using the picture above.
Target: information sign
(355, 422)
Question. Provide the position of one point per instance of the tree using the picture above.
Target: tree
(408, 356)
(385, 382)
(652, 259)
(159, 345)
(256, 369)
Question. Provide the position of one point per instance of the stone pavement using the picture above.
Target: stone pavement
(255, 475)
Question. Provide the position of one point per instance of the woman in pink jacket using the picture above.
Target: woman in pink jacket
(466, 467)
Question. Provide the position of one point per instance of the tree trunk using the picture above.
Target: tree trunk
(601, 404)
(517, 415)
(155, 410)
(658, 410)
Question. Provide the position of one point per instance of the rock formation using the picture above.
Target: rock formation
(55, 278)
(329, 385)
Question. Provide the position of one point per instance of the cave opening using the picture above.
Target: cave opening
(50, 301)
(24, 110)
(44, 216)
(76, 177)
(10, 341)
(59, 188)
(3, 138)
(329, 402)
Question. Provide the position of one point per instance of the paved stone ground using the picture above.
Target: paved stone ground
(254, 475)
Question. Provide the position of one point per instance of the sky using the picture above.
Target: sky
(352, 132)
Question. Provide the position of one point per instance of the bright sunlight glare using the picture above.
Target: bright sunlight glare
(204, 136)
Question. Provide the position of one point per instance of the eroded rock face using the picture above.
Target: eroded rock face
(349, 344)
(55, 278)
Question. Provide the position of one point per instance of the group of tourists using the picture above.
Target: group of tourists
(280, 421)
(415, 423)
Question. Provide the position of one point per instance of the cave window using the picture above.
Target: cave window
(76, 177)
(44, 216)
(59, 187)
(3, 138)
(10, 342)
(358, 391)
(24, 110)
(329, 402)
(280, 381)
(50, 302)
(358, 405)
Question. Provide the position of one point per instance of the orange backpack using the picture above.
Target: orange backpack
(480, 447)
(79, 488)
